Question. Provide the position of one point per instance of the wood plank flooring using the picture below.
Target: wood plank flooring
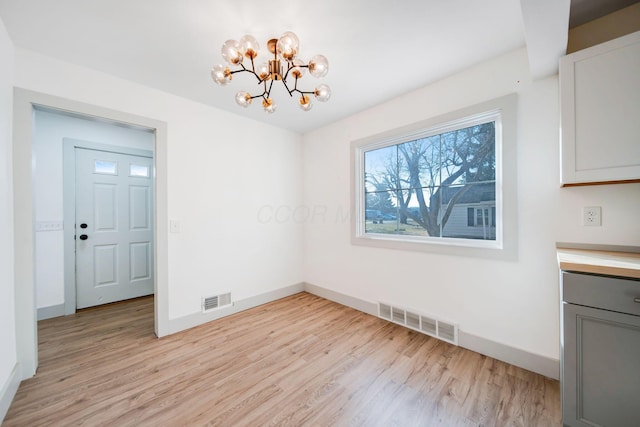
(299, 361)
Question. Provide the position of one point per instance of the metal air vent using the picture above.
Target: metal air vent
(426, 324)
(216, 301)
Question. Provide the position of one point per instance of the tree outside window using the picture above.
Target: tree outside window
(426, 186)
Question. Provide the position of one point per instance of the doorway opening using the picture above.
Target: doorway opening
(26, 223)
(114, 207)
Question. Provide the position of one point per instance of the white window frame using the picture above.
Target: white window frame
(502, 111)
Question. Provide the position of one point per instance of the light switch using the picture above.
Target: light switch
(48, 225)
(174, 226)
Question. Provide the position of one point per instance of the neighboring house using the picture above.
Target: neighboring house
(474, 214)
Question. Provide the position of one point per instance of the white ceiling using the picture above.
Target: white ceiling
(377, 50)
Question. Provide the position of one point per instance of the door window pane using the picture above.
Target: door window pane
(139, 170)
(105, 167)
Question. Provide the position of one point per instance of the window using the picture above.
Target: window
(139, 170)
(105, 167)
(438, 182)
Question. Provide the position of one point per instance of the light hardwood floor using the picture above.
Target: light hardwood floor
(299, 361)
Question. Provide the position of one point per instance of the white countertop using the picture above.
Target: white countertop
(624, 264)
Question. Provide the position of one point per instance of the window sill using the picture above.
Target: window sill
(489, 249)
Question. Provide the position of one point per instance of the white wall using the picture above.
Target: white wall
(235, 187)
(49, 131)
(515, 303)
(7, 301)
(222, 169)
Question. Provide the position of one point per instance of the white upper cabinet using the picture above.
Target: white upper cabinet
(600, 113)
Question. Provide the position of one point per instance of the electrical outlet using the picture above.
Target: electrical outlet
(592, 216)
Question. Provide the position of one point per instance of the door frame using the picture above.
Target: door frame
(24, 102)
(69, 208)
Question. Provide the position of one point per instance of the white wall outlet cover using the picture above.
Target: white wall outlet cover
(592, 216)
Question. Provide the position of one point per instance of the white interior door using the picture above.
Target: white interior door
(114, 227)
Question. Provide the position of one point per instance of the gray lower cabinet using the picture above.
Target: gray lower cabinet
(600, 369)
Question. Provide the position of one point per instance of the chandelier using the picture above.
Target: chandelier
(284, 49)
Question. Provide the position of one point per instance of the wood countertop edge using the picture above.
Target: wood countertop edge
(599, 269)
(623, 264)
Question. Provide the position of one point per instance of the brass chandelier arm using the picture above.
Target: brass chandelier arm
(295, 89)
(245, 69)
(265, 93)
(286, 86)
(290, 67)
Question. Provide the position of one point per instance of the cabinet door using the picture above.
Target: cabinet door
(600, 368)
(600, 106)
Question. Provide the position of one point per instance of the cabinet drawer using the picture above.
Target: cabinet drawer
(609, 293)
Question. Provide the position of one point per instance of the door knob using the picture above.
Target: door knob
(83, 225)
(83, 237)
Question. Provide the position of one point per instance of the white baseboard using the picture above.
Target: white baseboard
(8, 391)
(530, 361)
(359, 304)
(533, 362)
(51, 311)
(196, 319)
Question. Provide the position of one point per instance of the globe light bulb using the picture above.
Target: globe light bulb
(243, 99)
(287, 46)
(318, 66)
(298, 70)
(305, 103)
(269, 105)
(249, 46)
(221, 75)
(263, 71)
(231, 52)
(323, 93)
